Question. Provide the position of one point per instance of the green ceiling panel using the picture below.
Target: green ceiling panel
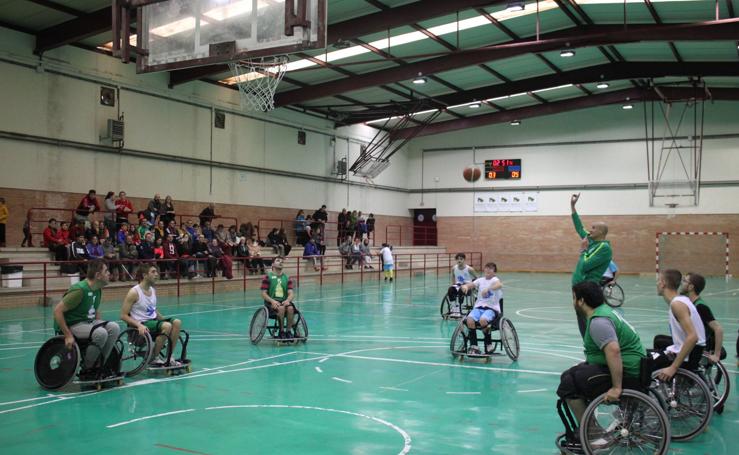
(652, 51)
(707, 50)
(613, 13)
(522, 67)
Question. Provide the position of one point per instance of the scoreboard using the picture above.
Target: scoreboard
(503, 169)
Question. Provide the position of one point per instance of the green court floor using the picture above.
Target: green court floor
(375, 377)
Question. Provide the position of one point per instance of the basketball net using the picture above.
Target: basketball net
(257, 80)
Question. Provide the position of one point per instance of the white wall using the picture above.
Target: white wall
(548, 162)
(59, 100)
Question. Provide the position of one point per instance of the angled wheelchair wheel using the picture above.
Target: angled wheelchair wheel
(614, 295)
(458, 345)
(634, 424)
(509, 338)
(719, 384)
(687, 402)
(258, 325)
(300, 328)
(135, 351)
(55, 365)
(445, 308)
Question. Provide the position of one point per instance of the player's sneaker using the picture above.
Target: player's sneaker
(473, 350)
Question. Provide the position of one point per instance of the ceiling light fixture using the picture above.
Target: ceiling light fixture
(602, 85)
(474, 105)
(627, 106)
(419, 80)
(514, 7)
(567, 53)
(515, 122)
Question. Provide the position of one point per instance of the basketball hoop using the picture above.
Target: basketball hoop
(257, 80)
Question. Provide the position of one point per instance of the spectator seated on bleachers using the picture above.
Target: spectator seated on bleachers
(110, 255)
(123, 208)
(96, 229)
(76, 251)
(184, 251)
(282, 240)
(167, 212)
(53, 241)
(311, 254)
(345, 250)
(129, 253)
(300, 228)
(87, 206)
(154, 209)
(222, 260)
(241, 253)
(64, 233)
(207, 231)
(207, 214)
(159, 230)
(255, 252)
(366, 252)
(94, 249)
(200, 251)
(146, 248)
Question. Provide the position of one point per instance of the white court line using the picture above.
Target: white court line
(394, 388)
(406, 436)
(23, 347)
(532, 390)
(12, 357)
(149, 417)
(341, 380)
(463, 393)
(318, 369)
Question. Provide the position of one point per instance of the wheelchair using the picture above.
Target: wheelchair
(138, 352)
(718, 381)
(613, 293)
(265, 319)
(687, 401)
(450, 303)
(55, 366)
(508, 340)
(636, 423)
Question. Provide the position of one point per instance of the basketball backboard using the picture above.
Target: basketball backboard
(177, 34)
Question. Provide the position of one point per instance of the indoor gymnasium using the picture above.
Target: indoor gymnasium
(369, 226)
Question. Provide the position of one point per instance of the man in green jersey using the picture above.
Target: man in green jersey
(613, 352)
(78, 313)
(277, 292)
(595, 256)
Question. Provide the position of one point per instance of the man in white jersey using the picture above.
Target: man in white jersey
(688, 335)
(461, 274)
(487, 306)
(388, 263)
(139, 310)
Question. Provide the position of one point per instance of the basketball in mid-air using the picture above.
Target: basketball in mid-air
(471, 173)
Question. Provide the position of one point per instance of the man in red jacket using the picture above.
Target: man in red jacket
(54, 241)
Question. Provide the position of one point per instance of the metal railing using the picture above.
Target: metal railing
(39, 274)
(330, 230)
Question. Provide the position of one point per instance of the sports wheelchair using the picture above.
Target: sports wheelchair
(687, 401)
(265, 319)
(460, 343)
(138, 352)
(717, 379)
(450, 303)
(55, 366)
(613, 293)
(636, 423)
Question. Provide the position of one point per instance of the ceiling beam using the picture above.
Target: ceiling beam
(726, 29)
(658, 20)
(592, 74)
(399, 16)
(364, 25)
(58, 7)
(556, 107)
(74, 30)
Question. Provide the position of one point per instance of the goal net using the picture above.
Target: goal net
(706, 253)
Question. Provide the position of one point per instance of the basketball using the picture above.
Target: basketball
(471, 173)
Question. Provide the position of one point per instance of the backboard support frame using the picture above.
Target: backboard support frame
(296, 15)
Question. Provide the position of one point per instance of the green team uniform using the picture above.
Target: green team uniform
(632, 350)
(594, 260)
(277, 286)
(86, 310)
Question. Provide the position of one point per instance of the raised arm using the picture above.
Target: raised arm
(576, 218)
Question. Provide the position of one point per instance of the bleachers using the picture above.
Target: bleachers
(37, 261)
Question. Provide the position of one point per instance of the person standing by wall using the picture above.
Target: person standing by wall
(3, 221)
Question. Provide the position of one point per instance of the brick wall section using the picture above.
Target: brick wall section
(19, 201)
(550, 244)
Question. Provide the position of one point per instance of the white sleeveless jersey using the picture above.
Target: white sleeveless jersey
(491, 300)
(463, 275)
(678, 334)
(145, 308)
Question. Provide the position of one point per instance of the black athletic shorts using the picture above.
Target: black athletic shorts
(589, 381)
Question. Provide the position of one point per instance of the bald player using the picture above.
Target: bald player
(595, 254)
